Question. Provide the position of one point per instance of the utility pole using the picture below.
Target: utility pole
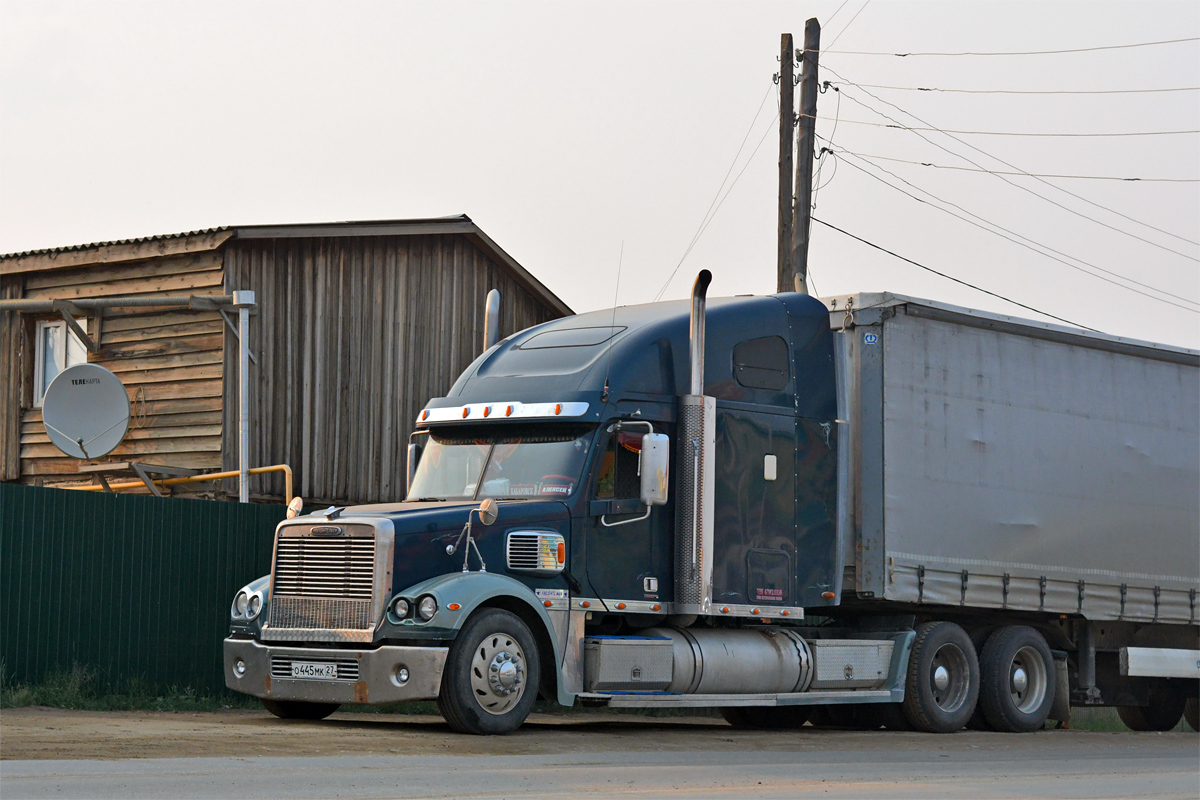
(786, 120)
(802, 208)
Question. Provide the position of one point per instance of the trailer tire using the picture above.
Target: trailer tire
(298, 709)
(1191, 712)
(765, 717)
(942, 685)
(1017, 677)
(1163, 712)
(493, 657)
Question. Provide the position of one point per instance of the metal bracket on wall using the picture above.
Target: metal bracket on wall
(233, 329)
(69, 311)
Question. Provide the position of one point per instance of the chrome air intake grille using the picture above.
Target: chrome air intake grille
(534, 551)
(343, 567)
(323, 584)
(347, 668)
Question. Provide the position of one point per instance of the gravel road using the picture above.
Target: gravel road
(238, 754)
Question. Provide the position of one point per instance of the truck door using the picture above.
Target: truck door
(626, 547)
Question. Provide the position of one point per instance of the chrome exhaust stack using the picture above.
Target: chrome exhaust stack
(694, 492)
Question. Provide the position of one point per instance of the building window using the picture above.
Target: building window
(56, 347)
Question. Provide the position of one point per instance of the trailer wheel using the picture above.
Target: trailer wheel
(765, 717)
(1016, 673)
(942, 686)
(296, 709)
(491, 678)
(1191, 712)
(1163, 712)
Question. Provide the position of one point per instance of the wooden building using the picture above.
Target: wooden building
(357, 324)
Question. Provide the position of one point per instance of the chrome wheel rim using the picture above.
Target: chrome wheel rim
(498, 673)
(1027, 680)
(949, 678)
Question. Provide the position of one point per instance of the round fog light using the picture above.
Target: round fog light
(239, 668)
(402, 674)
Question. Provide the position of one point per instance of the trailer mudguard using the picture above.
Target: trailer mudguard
(470, 590)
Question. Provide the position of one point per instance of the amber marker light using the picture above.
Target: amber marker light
(785, 612)
(585, 604)
(656, 607)
(465, 412)
(508, 411)
(558, 408)
(487, 410)
(725, 609)
(562, 552)
(425, 414)
(828, 595)
(620, 606)
(547, 603)
(454, 606)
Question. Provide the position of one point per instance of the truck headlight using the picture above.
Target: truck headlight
(240, 604)
(400, 609)
(427, 607)
(254, 606)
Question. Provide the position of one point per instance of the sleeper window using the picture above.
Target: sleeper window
(761, 363)
(57, 347)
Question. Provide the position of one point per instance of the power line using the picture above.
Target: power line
(1030, 242)
(1009, 133)
(1020, 174)
(952, 278)
(833, 16)
(848, 24)
(1028, 91)
(1040, 180)
(1024, 53)
(715, 206)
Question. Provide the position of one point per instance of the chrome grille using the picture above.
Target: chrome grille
(319, 614)
(347, 668)
(533, 550)
(311, 567)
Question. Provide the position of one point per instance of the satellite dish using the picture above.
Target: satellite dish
(86, 411)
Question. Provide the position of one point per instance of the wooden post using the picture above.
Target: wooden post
(804, 156)
(786, 122)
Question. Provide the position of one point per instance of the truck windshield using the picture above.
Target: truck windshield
(501, 465)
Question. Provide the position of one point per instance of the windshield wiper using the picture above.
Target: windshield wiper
(430, 500)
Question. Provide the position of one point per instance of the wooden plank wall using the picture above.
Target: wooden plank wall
(170, 361)
(11, 344)
(352, 336)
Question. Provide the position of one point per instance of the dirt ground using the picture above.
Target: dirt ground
(46, 733)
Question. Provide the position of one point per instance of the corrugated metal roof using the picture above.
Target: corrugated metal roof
(139, 240)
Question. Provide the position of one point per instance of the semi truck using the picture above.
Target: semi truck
(865, 511)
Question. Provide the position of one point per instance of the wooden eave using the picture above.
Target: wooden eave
(113, 253)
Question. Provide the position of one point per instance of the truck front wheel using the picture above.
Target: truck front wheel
(296, 709)
(491, 676)
(942, 686)
(1016, 674)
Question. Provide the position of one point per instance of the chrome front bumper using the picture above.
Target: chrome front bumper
(375, 674)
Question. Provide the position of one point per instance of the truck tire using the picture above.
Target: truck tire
(491, 677)
(297, 709)
(765, 717)
(1163, 712)
(1191, 712)
(1016, 680)
(942, 685)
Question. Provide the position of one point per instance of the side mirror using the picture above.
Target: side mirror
(488, 511)
(656, 459)
(295, 507)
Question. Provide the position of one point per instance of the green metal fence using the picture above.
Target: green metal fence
(130, 587)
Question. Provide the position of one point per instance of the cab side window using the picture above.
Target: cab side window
(761, 363)
(618, 475)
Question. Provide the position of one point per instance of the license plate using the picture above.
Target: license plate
(302, 669)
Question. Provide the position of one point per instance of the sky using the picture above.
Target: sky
(594, 139)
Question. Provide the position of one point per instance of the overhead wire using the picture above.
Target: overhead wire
(1029, 243)
(1024, 188)
(718, 200)
(956, 280)
(1029, 91)
(1010, 133)
(870, 156)
(1022, 53)
(848, 24)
